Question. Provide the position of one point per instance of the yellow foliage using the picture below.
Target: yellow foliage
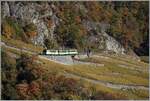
(31, 34)
(8, 30)
(83, 31)
(95, 10)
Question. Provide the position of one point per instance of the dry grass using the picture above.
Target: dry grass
(22, 45)
(110, 72)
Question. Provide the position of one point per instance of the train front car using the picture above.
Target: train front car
(52, 52)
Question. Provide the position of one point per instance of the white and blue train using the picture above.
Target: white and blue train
(71, 52)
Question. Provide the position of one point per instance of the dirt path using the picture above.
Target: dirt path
(108, 84)
(76, 61)
(43, 57)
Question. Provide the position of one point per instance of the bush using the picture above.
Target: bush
(8, 76)
(30, 27)
(30, 30)
(11, 28)
(50, 44)
(7, 30)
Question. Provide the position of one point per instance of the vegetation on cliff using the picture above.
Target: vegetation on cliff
(128, 24)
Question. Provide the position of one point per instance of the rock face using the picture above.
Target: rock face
(113, 45)
(99, 36)
(29, 12)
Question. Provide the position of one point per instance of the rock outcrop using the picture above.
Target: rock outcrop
(32, 13)
(105, 41)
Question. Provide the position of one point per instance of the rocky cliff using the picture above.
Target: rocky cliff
(31, 13)
(44, 15)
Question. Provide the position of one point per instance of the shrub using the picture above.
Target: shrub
(8, 76)
(7, 30)
(9, 92)
(22, 90)
(12, 29)
(50, 44)
(30, 30)
(107, 96)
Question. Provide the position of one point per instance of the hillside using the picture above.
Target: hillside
(115, 32)
(120, 27)
(118, 78)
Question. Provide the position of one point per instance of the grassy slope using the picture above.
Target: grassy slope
(125, 76)
(21, 45)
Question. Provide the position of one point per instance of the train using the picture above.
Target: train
(52, 52)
